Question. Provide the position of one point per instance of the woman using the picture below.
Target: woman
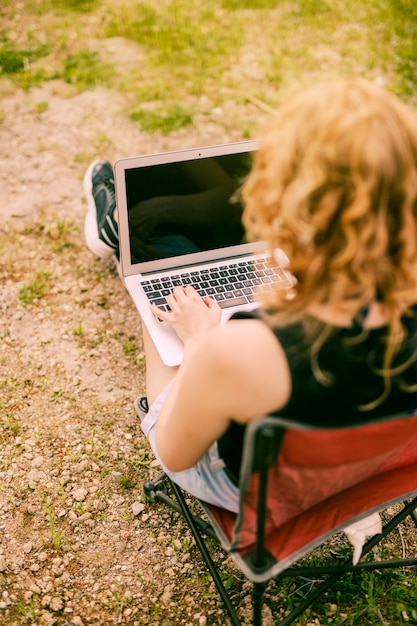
(335, 186)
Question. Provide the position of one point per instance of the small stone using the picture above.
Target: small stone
(37, 461)
(79, 494)
(35, 476)
(137, 508)
(167, 595)
(56, 604)
(47, 619)
(3, 564)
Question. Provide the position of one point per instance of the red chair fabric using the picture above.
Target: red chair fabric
(324, 480)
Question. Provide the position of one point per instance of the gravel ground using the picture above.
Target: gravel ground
(78, 545)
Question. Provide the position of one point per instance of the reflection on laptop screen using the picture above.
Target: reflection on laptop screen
(185, 207)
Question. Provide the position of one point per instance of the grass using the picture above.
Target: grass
(85, 70)
(56, 536)
(358, 599)
(190, 58)
(163, 119)
(128, 482)
(29, 611)
(35, 289)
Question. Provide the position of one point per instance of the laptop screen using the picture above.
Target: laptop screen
(184, 207)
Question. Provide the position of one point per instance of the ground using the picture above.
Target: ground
(78, 544)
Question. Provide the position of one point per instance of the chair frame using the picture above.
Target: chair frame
(265, 442)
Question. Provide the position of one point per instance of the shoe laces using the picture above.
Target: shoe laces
(109, 184)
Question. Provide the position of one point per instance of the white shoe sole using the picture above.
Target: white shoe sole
(94, 243)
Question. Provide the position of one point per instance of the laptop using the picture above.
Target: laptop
(180, 224)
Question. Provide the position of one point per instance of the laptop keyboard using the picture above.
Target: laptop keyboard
(230, 285)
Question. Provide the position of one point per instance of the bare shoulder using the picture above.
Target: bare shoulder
(252, 367)
(235, 372)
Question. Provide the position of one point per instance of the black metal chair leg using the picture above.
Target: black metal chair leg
(206, 555)
(413, 513)
(257, 602)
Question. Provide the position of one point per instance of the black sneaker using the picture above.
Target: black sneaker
(101, 230)
(141, 407)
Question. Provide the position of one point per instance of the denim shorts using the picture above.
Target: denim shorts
(207, 480)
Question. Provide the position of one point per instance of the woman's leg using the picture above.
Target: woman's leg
(102, 237)
(208, 480)
(158, 375)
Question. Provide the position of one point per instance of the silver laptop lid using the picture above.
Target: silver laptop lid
(183, 207)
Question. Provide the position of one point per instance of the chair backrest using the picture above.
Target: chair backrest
(321, 479)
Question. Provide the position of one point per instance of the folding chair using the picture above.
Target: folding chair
(298, 487)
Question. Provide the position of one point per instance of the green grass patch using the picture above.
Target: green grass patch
(206, 54)
(357, 599)
(76, 5)
(402, 16)
(186, 42)
(176, 33)
(17, 63)
(128, 482)
(35, 289)
(14, 60)
(235, 5)
(85, 70)
(162, 119)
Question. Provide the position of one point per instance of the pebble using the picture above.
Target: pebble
(137, 508)
(79, 494)
(56, 604)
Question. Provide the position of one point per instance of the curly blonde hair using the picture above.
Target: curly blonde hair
(334, 185)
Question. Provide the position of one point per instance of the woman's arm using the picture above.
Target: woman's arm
(233, 372)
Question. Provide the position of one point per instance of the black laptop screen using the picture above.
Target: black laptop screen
(185, 207)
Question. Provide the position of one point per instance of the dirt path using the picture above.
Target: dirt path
(72, 459)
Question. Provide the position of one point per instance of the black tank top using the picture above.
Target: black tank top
(353, 382)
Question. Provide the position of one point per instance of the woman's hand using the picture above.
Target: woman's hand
(191, 315)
